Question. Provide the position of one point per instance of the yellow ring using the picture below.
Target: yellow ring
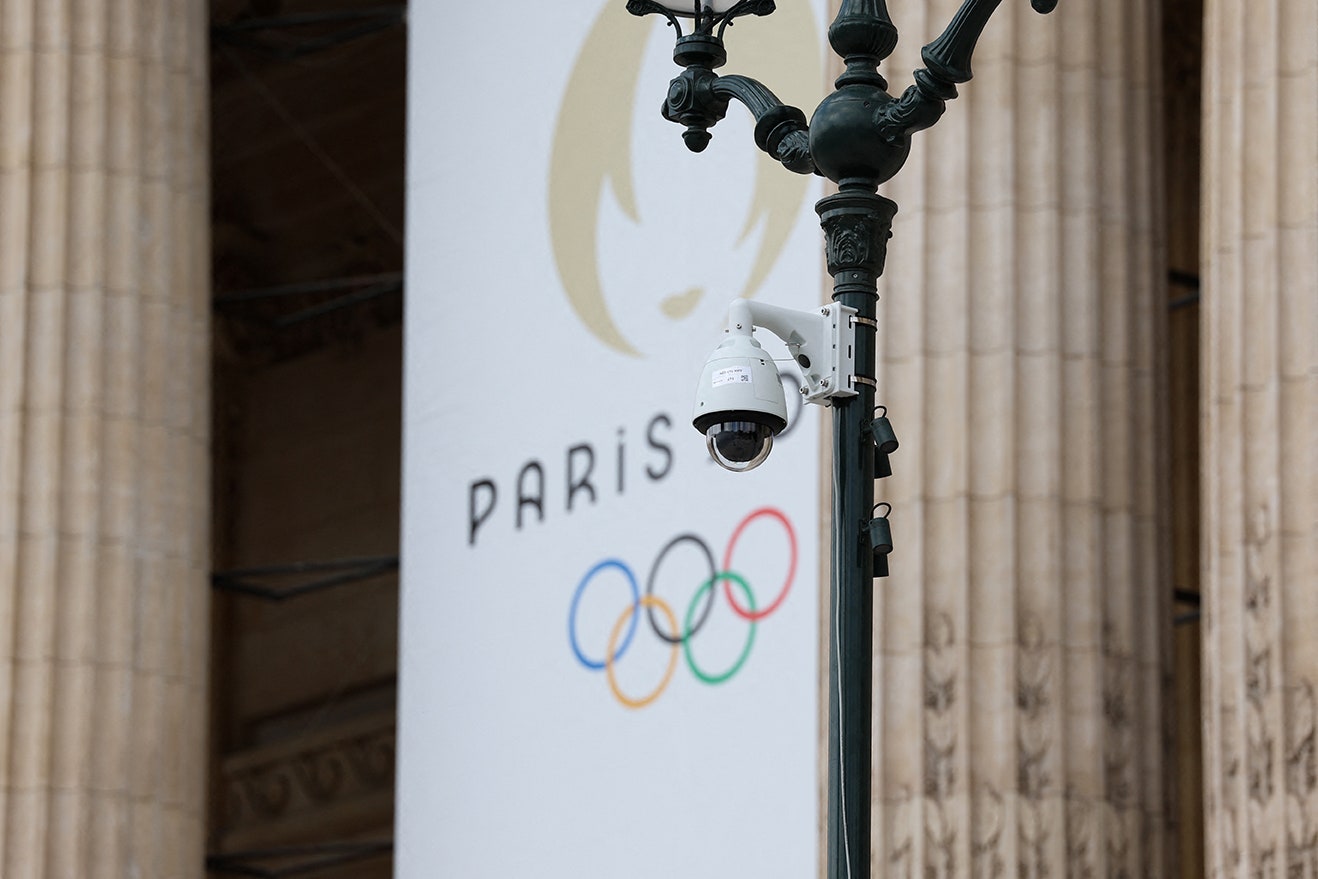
(646, 601)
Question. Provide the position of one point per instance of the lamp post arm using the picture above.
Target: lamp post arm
(698, 98)
(947, 64)
(780, 129)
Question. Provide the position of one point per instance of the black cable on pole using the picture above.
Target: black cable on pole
(340, 572)
(356, 23)
(308, 859)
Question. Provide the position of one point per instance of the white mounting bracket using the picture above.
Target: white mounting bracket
(822, 343)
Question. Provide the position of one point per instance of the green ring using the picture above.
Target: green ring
(690, 612)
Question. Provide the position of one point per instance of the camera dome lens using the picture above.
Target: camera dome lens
(739, 445)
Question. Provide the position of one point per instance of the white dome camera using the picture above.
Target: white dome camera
(740, 406)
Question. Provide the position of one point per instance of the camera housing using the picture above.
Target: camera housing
(740, 405)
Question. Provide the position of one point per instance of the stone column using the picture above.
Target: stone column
(1019, 641)
(1260, 437)
(104, 363)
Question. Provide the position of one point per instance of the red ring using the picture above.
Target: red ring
(727, 564)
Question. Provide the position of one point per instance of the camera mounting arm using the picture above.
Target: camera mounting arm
(822, 343)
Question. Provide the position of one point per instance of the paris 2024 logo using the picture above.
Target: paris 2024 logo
(647, 237)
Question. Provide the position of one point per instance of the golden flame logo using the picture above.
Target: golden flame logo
(593, 151)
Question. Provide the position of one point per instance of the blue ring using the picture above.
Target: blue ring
(576, 599)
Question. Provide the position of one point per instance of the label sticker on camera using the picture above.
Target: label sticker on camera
(729, 375)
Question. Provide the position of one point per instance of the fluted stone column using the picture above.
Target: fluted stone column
(1260, 438)
(1019, 641)
(104, 505)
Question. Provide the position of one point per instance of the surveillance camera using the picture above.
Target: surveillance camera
(740, 406)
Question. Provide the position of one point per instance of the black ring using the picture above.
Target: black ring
(649, 587)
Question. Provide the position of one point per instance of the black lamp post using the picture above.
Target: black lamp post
(859, 137)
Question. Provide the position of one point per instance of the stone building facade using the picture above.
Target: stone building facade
(1037, 713)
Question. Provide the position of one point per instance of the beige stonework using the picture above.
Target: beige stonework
(1260, 437)
(1019, 653)
(104, 422)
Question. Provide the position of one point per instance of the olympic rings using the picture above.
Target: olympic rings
(708, 585)
(752, 615)
(576, 599)
(650, 601)
(654, 572)
(695, 617)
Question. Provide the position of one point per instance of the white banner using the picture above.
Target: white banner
(570, 265)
